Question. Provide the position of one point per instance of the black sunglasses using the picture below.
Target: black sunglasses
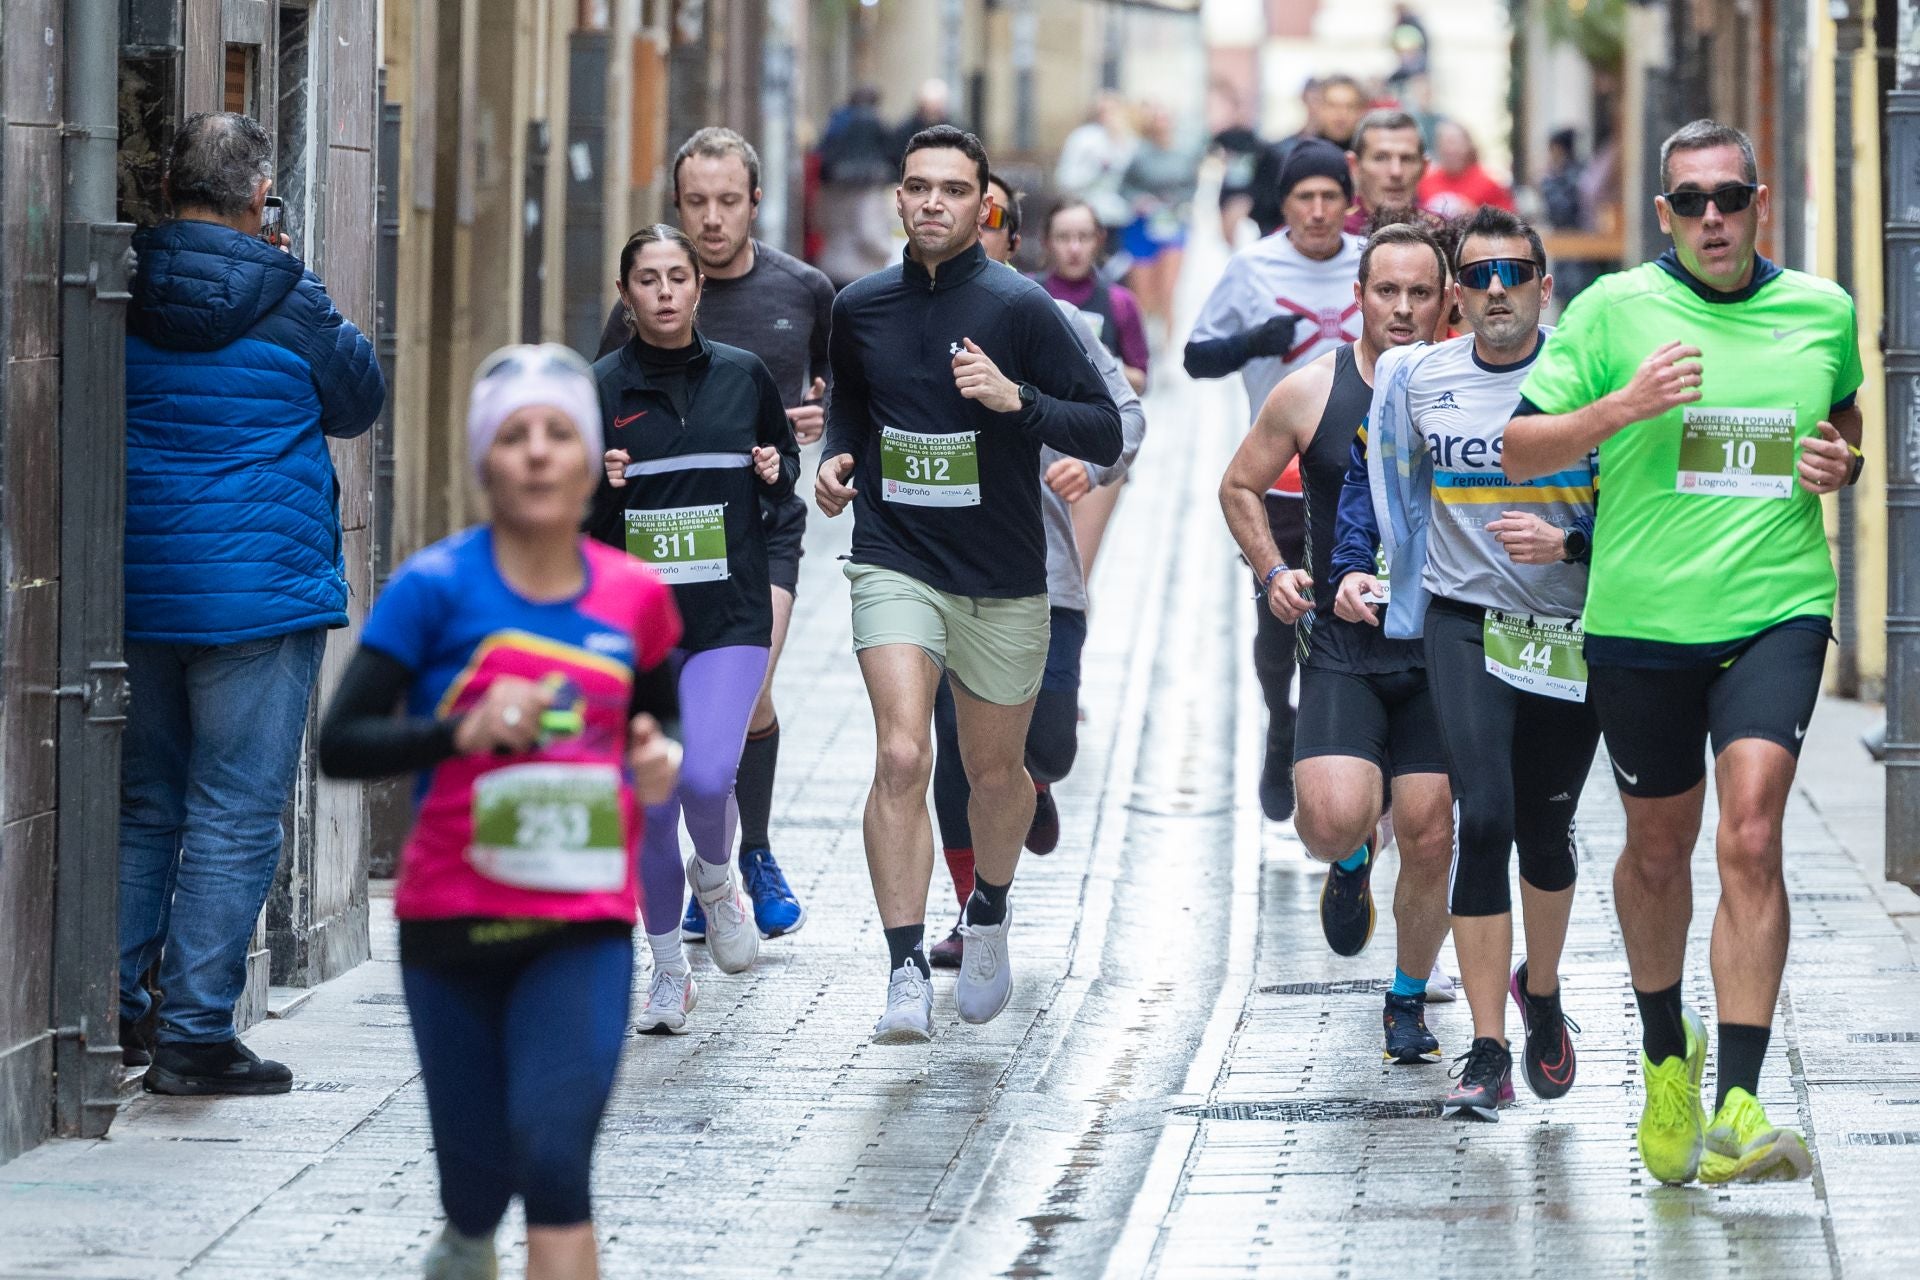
(1513, 272)
(1731, 198)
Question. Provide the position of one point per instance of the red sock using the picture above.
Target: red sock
(960, 867)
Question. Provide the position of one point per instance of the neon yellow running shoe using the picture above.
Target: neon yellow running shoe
(1672, 1121)
(1742, 1146)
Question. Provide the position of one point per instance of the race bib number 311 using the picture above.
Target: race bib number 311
(555, 827)
(683, 544)
(1541, 655)
(1736, 453)
(929, 471)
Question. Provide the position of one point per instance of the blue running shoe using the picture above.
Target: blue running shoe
(775, 909)
(693, 928)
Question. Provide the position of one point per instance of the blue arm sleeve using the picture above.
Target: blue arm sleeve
(1356, 538)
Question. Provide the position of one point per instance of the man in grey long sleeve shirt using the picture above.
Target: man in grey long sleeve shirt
(1053, 733)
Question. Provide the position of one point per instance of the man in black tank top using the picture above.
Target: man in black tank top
(1365, 714)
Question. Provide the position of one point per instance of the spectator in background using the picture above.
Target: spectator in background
(1093, 160)
(1409, 42)
(1457, 185)
(931, 106)
(1158, 186)
(238, 371)
(1334, 106)
(1560, 187)
(854, 206)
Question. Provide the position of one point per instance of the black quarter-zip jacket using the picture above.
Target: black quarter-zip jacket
(699, 459)
(894, 337)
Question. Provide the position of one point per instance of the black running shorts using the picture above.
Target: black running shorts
(1658, 721)
(786, 526)
(1387, 718)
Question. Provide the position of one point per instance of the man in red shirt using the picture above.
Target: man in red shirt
(1458, 186)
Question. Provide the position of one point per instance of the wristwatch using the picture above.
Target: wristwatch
(1577, 544)
(1029, 395)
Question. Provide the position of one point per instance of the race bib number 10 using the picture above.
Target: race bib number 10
(683, 544)
(1736, 453)
(550, 826)
(1541, 655)
(929, 471)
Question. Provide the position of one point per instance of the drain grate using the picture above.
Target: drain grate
(1345, 987)
(1905, 1138)
(1316, 1110)
(1884, 1037)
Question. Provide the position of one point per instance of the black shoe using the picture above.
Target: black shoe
(1484, 1082)
(1276, 785)
(134, 1049)
(1408, 1040)
(1548, 1059)
(197, 1070)
(947, 953)
(1346, 907)
(1043, 833)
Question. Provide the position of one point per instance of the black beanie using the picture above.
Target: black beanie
(1315, 158)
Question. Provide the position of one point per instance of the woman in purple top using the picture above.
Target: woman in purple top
(1073, 238)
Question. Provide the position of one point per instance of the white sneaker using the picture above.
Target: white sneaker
(670, 998)
(909, 1015)
(733, 939)
(1441, 988)
(986, 977)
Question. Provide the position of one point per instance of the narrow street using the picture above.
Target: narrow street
(1186, 1084)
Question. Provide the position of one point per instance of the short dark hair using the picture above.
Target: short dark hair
(717, 143)
(1703, 135)
(1498, 224)
(1401, 233)
(1013, 202)
(658, 233)
(217, 161)
(1062, 206)
(946, 137)
(1388, 120)
(1341, 80)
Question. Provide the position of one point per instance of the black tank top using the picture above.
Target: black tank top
(1325, 641)
(1100, 303)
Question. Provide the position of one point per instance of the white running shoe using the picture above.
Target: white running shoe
(909, 1015)
(670, 998)
(986, 977)
(1441, 988)
(733, 939)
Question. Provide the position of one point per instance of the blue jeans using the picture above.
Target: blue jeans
(212, 744)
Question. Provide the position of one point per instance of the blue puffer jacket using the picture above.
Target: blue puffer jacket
(238, 368)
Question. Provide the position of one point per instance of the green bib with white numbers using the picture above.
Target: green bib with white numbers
(555, 827)
(1540, 655)
(929, 470)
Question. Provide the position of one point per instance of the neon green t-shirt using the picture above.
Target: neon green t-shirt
(1703, 533)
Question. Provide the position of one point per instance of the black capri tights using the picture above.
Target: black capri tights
(1517, 762)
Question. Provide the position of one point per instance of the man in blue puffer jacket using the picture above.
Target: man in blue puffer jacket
(238, 369)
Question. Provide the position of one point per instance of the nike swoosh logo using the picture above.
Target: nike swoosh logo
(1799, 732)
(632, 417)
(1779, 334)
(1562, 1071)
(1632, 780)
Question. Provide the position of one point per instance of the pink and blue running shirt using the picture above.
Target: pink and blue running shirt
(452, 620)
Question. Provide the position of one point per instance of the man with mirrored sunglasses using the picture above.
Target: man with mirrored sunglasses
(1719, 389)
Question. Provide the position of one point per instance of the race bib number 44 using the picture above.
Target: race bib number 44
(1736, 453)
(929, 471)
(683, 544)
(555, 827)
(1541, 655)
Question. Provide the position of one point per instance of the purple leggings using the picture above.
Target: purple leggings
(718, 688)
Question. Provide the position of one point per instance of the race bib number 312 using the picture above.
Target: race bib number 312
(929, 471)
(1736, 453)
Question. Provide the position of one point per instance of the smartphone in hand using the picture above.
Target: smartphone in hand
(273, 221)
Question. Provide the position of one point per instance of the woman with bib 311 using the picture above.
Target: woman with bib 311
(696, 433)
(518, 669)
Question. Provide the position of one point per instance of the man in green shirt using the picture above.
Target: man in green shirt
(1719, 390)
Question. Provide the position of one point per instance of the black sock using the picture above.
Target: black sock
(1742, 1048)
(1663, 1031)
(753, 787)
(903, 944)
(988, 905)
